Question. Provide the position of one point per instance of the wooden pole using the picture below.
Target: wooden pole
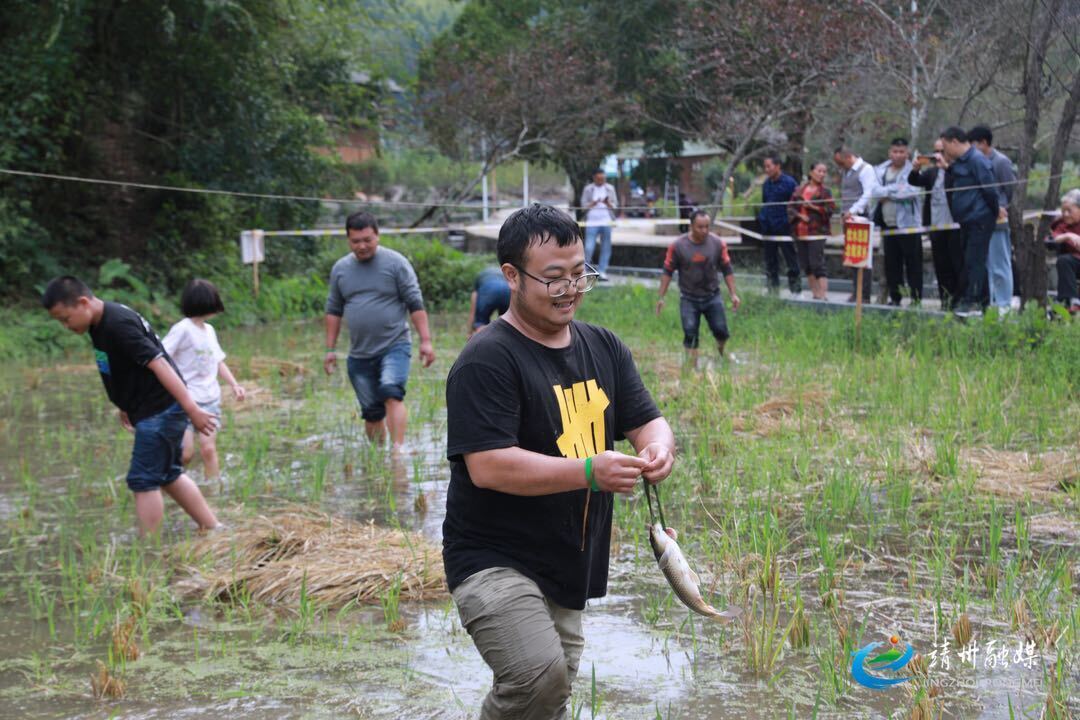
(858, 307)
(255, 278)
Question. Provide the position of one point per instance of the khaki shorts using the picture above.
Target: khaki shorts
(532, 645)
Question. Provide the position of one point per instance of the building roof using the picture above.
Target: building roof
(691, 148)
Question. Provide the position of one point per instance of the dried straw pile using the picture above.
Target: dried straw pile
(1010, 473)
(256, 397)
(270, 557)
(1016, 474)
(779, 413)
(270, 366)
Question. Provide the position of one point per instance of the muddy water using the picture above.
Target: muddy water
(62, 460)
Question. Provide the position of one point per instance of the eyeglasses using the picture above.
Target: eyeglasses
(560, 286)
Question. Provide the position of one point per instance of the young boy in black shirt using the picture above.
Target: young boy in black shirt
(142, 381)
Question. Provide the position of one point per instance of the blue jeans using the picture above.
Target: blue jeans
(999, 267)
(690, 311)
(380, 378)
(591, 233)
(490, 298)
(155, 457)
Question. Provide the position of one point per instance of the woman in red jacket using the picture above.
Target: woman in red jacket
(809, 212)
(1065, 233)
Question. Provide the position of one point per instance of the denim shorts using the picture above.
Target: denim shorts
(491, 297)
(155, 457)
(690, 311)
(214, 408)
(380, 378)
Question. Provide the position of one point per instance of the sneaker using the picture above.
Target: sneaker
(603, 278)
(966, 310)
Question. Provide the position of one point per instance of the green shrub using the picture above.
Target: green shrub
(446, 275)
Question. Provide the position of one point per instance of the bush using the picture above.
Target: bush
(446, 275)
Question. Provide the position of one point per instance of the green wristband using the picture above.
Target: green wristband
(589, 476)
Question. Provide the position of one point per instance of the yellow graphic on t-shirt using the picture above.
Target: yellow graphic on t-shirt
(581, 407)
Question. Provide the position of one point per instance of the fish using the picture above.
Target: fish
(684, 581)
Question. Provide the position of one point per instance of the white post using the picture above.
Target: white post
(525, 184)
(483, 180)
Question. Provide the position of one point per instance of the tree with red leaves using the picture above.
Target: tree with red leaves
(750, 71)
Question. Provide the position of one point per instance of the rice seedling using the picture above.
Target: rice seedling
(961, 630)
(105, 685)
(391, 606)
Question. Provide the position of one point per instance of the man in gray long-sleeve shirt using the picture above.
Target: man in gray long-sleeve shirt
(376, 291)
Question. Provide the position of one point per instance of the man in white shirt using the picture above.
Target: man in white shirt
(599, 202)
(857, 183)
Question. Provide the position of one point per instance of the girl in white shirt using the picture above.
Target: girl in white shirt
(193, 346)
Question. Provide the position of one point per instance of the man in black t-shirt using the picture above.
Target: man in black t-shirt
(142, 381)
(535, 404)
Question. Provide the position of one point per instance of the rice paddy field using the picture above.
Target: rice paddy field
(924, 486)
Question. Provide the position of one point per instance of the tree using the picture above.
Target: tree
(551, 97)
(1047, 54)
(747, 69)
(216, 94)
(922, 50)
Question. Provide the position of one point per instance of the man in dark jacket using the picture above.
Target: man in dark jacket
(773, 219)
(973, 202)
(946, 246)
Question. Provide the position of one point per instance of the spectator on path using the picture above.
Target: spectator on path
(143, 383)
(946, 245)
(810, 215)
(376, 291)
(490, 295)
(699, 257)
(899, 207)
(999, 256)
(857, 183)
(973, 202)
(773, 220)
(534, 406)
(1065, 233)
(600, 202)
(686, 205)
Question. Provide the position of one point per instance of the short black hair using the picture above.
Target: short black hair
(599, 171)
(843, 151)
(898, 142)
(360, 220)
(534, 225)
(199, 298)
(954, 133)
(775, 157)
(698, 213)
(65, 289)
(981, 133)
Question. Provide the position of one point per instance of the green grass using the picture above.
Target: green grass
(816, 486)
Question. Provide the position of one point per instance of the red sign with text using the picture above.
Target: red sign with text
(858, 243)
